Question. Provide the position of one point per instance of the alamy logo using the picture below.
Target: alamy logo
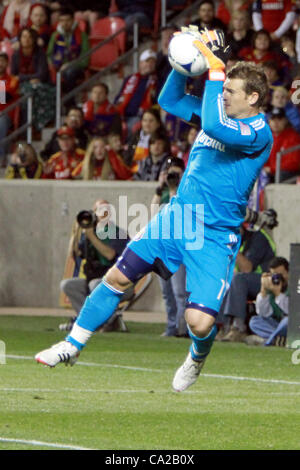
(296, 354)
(2, 353)
(2, 92)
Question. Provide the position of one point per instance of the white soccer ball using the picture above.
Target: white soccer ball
(184, 56)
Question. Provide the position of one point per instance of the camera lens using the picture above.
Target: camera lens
(277, 279)
(86, 219)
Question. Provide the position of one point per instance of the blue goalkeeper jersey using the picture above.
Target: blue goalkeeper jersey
(226, 157)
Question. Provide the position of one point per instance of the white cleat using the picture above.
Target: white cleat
(60, 352)
(187, 374)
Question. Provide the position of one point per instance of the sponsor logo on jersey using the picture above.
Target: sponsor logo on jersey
(204, 139)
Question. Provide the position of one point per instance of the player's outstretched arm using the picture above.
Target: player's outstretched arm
(174, 100)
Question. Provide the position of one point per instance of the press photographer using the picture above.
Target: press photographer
(24, 163)
(96, 242)
(272, 306)
(169, 180)
(173, 290)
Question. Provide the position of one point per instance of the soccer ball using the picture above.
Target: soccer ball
(184, 56)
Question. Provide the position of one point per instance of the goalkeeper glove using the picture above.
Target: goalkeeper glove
(212, 46)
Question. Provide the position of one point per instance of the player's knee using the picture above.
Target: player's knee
(200, 323)
(116, 279)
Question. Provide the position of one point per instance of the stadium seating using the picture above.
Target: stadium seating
(106, 54)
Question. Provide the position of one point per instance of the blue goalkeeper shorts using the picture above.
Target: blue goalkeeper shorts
(176, 236)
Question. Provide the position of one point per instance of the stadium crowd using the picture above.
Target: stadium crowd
(129, 137)
(115, 138)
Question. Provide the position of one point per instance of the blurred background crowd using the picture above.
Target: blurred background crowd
(114, 129)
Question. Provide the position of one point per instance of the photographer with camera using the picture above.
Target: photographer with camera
(173, 289)
(272, 306)
(24, 163)
(97, 241)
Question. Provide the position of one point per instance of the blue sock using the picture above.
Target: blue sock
(98, 307)
(201, 347)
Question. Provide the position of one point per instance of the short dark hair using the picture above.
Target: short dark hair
(33, 34)
(66, 11)
(175, 161)
(279, 261)
(270, 64)
(103, 85)
(207, 1)
(75, 108)
(158, 135)
(254, 78)
(258, 33)
(4, 56)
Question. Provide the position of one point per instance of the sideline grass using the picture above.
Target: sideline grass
(105, 406)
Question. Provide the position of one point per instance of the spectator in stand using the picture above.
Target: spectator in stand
(100, 115)
(61, 165)
(90, 10)
(66, 44)
(39, 22)
(138, 145)
(29, 63)
(261, 52)
(163, 67)
(261, 49)
(150, 168)
(207, 18)
(190, 139)
(75, 121)
(284, 137)
(227, 8)
(54, 9)
(140, 11)
(100, 163)
(272, 72)
(24, 163)
(275, 17)
(272, 306)
(115, 145)
(11, 95)
(288, 47)
(138, 91)
(240, 32)
(14, 17)
(281, 100)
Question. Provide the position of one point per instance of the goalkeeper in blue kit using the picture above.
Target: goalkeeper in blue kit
(200, 227)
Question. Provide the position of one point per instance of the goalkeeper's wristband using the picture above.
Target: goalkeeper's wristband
(216, 75)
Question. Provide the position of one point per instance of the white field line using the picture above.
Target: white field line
(215, 376)
(93, 364)
(42, 444)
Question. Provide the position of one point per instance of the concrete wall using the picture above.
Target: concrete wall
(285, 199)
(35, 224)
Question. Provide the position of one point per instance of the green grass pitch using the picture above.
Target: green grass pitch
(119, 395)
